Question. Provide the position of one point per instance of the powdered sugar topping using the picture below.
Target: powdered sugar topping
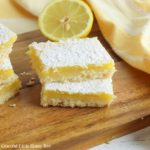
(74, 52)
(84, 87)
(5, 34)
(6, 64)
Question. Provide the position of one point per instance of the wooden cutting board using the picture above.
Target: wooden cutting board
(77, 128)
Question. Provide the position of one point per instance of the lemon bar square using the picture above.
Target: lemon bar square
(9, 88)
(71, 60)
(91, 93)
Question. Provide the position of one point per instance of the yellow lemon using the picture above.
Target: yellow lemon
(63, 19)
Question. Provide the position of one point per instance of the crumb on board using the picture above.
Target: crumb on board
(30, 83)
(33, 78)
(107, 142)
(12, 105)
(25, 73)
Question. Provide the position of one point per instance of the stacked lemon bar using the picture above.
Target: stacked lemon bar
(9, 81)
(76, 72)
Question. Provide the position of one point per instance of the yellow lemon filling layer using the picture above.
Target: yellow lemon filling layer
(70, 73)
(9, 89)
(55, 98)
(5, 74)
(78, 96)
(10, 86)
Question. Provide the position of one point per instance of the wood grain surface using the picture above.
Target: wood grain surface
(77, 128)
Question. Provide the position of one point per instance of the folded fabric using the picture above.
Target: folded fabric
(126, 26)
(33, 6)
(16, 18)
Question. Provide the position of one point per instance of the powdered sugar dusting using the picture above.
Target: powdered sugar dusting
(74, 52)
(5, 34)
(90, 86)
(6, 64)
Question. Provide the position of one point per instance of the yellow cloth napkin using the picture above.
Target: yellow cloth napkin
(125, 24)
(33, 6)
(16, 18)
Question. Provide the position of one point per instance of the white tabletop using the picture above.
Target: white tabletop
(139, 140)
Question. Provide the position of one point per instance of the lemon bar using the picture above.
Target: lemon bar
(92, 93)
(9, 88)
(71, 60)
